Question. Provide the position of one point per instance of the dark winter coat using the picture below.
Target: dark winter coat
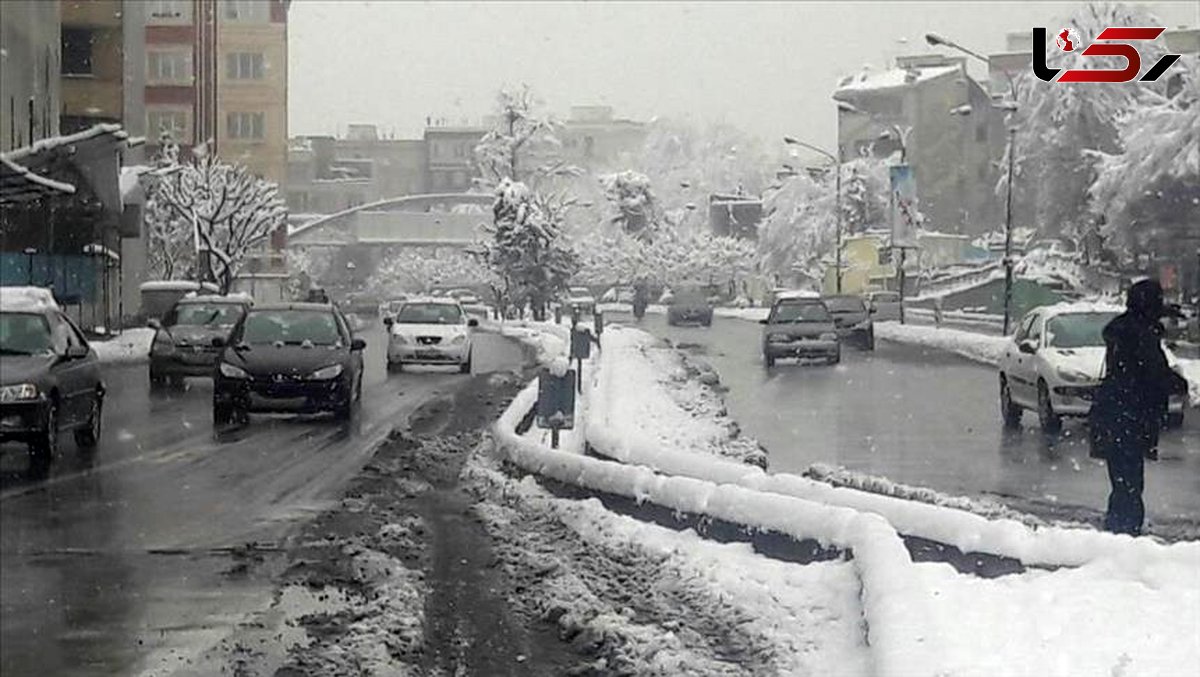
(1131, 401)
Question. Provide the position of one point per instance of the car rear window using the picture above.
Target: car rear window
(205, 314)
(430, 313)
(792, 311)
(291, 327)
(845, 304)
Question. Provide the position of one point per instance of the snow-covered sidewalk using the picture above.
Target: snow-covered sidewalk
(130, 346)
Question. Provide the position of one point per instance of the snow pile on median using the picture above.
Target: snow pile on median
(130, 346)
(971, 345)
(549, 341)
(650, 398)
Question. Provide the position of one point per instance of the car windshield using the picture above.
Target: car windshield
(800, 312)
(206, 314)
(845, 304)
(690, 296)
(24, 334)
(291, 327)
(580, 291)
(886, 297)
(1077, 330)
(430, 313)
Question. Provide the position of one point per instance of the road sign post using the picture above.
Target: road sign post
(556, 403)
(581, 349)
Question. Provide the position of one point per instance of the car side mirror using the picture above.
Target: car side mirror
(218, 342)
(357, 344)
(387, 321)
(763, 321)
(472, 322)
(77, 352)
(153, 323)
(1027, 347)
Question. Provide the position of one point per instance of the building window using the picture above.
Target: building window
(77, 51)
(169, 66)
(244, 66)
(244, 125)
(250, 11)
(169, 11)
(176, 122)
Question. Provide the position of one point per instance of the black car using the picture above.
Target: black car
(295, 357)
(49, 379)
(690, 304)
(183, 341)
(853, 319)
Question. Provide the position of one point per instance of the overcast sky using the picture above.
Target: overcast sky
(769, 68)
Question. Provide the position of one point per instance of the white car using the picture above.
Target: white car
(581, 298)
(1055, 361)
(430, 331)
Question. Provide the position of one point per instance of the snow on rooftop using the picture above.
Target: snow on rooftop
(895, 77)
(53, 142)
(170, 285)
(34, 177)
(27, 299)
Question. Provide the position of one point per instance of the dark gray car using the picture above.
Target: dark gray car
(800, 328)
(852, 319)
(183, 342)
(690, 305)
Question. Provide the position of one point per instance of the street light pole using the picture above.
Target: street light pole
(1008, 262)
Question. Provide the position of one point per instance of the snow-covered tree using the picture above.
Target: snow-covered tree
(799, 225)
(522, 144)
(527, 251)
(228, 211)
(170, 241)
(420, 270)
(1060, 124)
(1151, 190)
(632, 200)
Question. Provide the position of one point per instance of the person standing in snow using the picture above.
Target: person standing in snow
(1131, 402)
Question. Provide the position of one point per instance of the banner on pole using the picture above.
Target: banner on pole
(905, 217)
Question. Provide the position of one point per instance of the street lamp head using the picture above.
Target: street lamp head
(791, 140)
(934, 39)
(846, 107)
(964, 109)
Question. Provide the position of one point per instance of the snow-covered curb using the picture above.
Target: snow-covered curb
(972, 345)
(130, 346)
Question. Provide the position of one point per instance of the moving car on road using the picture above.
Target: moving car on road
(884, 305)
(800, 326)
(690, 304)
(852, 319)
(1055, 362)
(49, 376)
(293, 357)
(430, 331)
(183, 343)
(581, 299)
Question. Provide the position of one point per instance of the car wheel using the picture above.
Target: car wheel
(837, 357)
(1050, 421)
(1009, 411)
(43, 448)
(345, 409)
(395, 367)
(176, 382)
(157, 381)
(1174, 419)
(465, 367)
(870, 342)
(222, 413)
(88, 436)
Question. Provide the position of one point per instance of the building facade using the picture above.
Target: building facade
(450, 158)
(945, 123)
(29, 72)
(327, 174)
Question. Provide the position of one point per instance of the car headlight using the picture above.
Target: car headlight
(458, 340)
(1072, 376)
(829, 336)
(230, 371)
(326, 373)
(18, 393)
(778, 338)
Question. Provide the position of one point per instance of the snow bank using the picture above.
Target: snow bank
(971, 345)
(130, 346)
(549, 341)
(748, 314)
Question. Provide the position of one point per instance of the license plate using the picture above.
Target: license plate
(428, 354)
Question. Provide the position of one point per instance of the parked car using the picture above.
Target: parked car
(800, 326)
(50, 381)
(884, 305)
(579, 298)
(852, 319)
(1054, 363)
(690, 304)
(183, 338)
(465, 297)
(430, 331)
(618, 295)
(292, 357)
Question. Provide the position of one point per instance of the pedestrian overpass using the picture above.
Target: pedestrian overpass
(432, 220)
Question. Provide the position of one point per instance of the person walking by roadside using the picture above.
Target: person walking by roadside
(1131, 403)
(937, 311)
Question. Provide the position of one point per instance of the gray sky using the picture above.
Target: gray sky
(769, 68)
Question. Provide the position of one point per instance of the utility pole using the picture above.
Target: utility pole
(1008, 262)
(837, 202)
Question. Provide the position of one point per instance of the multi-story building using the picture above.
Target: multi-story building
(216, 73)
(327, 174)
(944, 121)
(29, 72)
(450, 157)
(93, 64)
(593, 138)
